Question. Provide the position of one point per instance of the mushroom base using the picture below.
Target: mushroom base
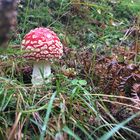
(41, 70)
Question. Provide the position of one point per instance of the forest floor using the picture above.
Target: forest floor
(95, 88)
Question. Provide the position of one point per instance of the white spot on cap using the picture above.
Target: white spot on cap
(23, 41)
(37, 55)
(61, 51)
(38, 50)
(46, 52)
(27, 41)
(43, 56)
(49, 43)
(44, 47)
(34, 36)
(29, 47)
(49, 35)
(51, 48)
(33, 42)
(40, 42)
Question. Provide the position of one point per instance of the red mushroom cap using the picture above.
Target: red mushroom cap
(42, 44)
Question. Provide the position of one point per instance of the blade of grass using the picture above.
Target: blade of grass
(70, 132)
(117, 128)
(85, 131)
(125, 128)
(12, 133)
(46, 119)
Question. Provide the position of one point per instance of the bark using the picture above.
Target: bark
(8, 20)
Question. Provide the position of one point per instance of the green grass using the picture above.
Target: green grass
(67, 107)
(65, 110)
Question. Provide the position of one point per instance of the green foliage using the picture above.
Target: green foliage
(133, 5)
(85, 28)
(67, 107)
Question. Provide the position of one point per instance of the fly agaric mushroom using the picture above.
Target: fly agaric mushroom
(41, 45)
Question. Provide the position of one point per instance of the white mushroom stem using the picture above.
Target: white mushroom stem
(41, 70)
